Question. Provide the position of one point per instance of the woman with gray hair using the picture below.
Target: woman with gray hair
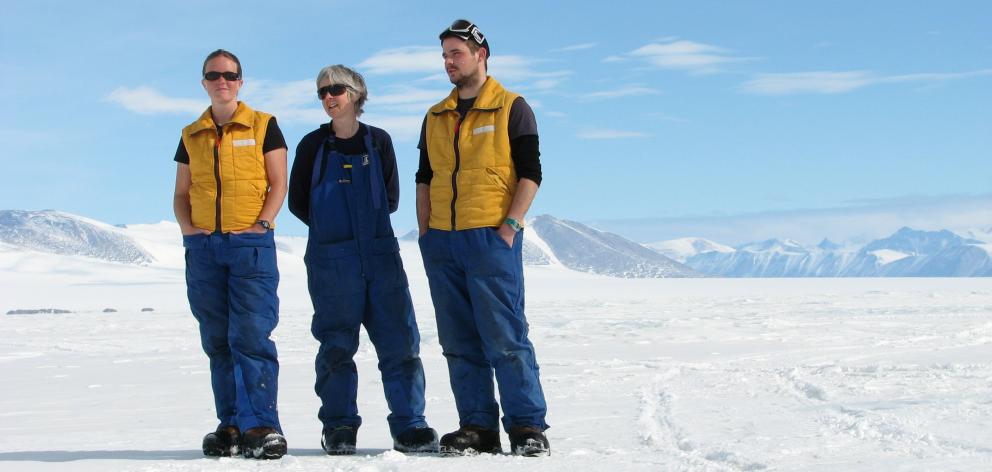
(343, 186)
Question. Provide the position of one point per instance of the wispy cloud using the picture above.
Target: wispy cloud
(575, 47)
(404, 60)
(609, 134)
(400, 110)
(859, 222)
(148, 101)
(523, 71)
(827, 82)
(294, 101)
(628, 91)
(680, 54)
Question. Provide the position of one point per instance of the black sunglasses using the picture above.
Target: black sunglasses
(228, 76)
(464, 29)
(333, 90)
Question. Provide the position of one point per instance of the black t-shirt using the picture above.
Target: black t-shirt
(524, 146)
(273, 140)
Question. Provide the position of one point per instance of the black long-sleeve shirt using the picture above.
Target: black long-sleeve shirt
(306, 154)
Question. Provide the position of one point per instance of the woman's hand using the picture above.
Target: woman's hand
(255, 228)
(194, 231)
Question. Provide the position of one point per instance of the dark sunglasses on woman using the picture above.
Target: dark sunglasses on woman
(333, 90)
(228, 76)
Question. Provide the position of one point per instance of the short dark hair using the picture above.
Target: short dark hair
(221, 52)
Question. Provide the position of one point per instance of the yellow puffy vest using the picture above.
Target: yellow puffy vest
(228, 169)
(474, 178)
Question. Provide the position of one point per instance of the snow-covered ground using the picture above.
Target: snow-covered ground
(662, 374)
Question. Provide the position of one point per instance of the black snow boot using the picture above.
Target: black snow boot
(528, 441)
(339, 441)
(223, 442)
(417, 439)
(471, 439)
(263, 443)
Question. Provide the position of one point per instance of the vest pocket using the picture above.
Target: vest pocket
(249, 163)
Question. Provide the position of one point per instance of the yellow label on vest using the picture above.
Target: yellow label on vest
(484, 129)
(244, 142)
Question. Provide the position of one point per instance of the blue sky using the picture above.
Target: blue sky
(648, 111)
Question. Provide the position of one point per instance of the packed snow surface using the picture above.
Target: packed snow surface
(640, 374)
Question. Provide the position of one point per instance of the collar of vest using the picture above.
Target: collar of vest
(243, 116)
(492, 96)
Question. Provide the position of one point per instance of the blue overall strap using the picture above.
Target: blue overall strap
(318, 163)
(375, 171)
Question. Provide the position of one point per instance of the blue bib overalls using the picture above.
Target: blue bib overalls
(356, 277)
(231, 282)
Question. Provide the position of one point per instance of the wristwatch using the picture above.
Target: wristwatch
(264, 224)
(514, 224)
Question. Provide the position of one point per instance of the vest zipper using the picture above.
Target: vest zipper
(454, 173)
(220, 136)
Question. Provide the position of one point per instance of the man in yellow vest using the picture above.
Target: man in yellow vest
(479, 172)
(230, 184)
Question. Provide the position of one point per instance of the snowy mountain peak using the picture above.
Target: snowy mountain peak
(906, 253)
(66, 234)
(828, 245)
(582, 248)
(918, 242)
(787, 246)
(682, 249)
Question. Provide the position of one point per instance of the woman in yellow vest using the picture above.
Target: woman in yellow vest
(230, 184)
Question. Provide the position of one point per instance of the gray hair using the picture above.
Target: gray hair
(339, 74)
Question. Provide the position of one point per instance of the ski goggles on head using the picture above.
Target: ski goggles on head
(334, 90)
(228, 76)
(464, 29)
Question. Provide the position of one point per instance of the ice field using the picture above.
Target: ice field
(665, 374)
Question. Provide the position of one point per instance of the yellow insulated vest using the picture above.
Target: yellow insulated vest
(227, 169)
(474, 178)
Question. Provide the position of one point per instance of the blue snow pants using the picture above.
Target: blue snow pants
(477, 286)
(356, 277)
(231, 281)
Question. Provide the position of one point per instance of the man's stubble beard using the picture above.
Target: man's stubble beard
(468, 81)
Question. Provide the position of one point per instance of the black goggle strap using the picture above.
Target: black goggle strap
(469, 30)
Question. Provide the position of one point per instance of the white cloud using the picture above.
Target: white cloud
(680, 54)
(807, 82)
(148, 101)
(427, 60)
(859, 222)
(827, 82)
(576, 47)
(404, 60)
(628, 91)
(402, 128)
(294, 101)
(609, 134)
(522, 69)
(404, 94)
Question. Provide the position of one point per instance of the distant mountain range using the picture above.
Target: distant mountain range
(585, 249)
(554, 242)
(549, 241)
(62, 233)
(906, 253)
